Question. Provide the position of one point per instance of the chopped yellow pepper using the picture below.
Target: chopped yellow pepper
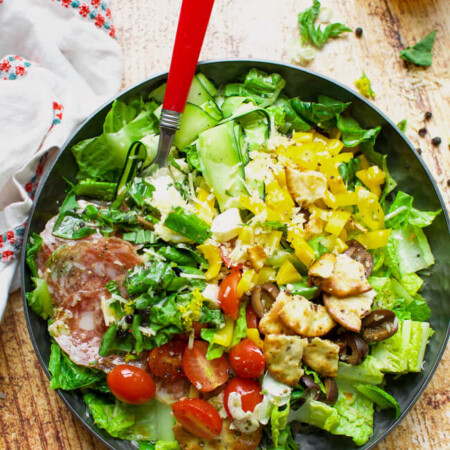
(205, 205)
(246, 235)
(370, 209)
(257, 206)
(212, 254)
(363, 162)
(347, 199)
(337, 185)
(287, 273)
(303, 251)
(255, 337)
(302, 138)
(265, 274)
(225, 335)
(246, 282)
(337, 222)
(373, 178)
(279, 199)
(374, 239)
(304, 156)
(270, 241)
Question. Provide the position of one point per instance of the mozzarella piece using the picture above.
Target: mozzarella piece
(226, 226)
(211, 293)
(244, 421)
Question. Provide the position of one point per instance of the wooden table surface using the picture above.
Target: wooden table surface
(32, 416)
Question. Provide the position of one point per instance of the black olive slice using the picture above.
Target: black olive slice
(379, 325)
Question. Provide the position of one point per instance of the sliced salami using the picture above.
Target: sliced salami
(76, 276)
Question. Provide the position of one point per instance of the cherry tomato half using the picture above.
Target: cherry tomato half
(251, 317)
(167, 361)
(131, 384)
(249, 390)
(203, 374)
(228, 298)
(198, 416)
(247, 360)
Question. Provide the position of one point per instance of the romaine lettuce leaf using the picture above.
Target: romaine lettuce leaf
(420, 332)
(67, 375)
(355, 413)
(159, 445)
(422, 218)
(385, 297)
(152, 421)
(380, 397)
(368, 372)
(412, 283)
(317, 414)
(399, 211)
(280, 430)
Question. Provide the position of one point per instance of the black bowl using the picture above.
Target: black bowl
(406, 167)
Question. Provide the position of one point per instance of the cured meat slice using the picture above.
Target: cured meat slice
(76, 275)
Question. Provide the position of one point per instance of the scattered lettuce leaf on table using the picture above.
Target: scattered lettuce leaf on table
(316, 35)
(420, 54)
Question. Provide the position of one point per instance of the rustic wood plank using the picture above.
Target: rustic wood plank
(32, 416)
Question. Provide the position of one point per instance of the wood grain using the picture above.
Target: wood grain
(32, 416)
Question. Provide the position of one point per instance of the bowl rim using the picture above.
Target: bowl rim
(93, 429)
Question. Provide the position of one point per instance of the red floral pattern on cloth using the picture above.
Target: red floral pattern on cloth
(96, 10)
(13, 66)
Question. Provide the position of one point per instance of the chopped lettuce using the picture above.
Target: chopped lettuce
(317, 35)
(188, 224)
(420, 54)
(380, 397)
(420, 332)
(280, 430)
(159, 445)
(67, 375)
(368, 372)
(152, 421)
(412, 283)
(353, 134)
(385, 297)
(355, 413)
(316, 413)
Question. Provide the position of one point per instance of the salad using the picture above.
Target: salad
(268, 277)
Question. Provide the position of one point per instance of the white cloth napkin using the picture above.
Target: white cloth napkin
(61, 62)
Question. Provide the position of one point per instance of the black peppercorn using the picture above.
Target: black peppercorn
(419, 151)
(145, 313)
(359, 32)
(407, 166)
(436, 141)
(428, 115)
(422, 132)
(144, 324)
(129, 318)
(448, 182)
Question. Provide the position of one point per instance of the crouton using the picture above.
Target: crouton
(257, 256)
(322, 356)
(306, 318)
(305, 187)
(271, 322)
(349, 311)
(283, 357)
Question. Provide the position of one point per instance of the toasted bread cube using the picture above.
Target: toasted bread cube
(322, 356)
(306, 186)
(306, 318)
(323, 268)
(257, 256)
(271, 322)
(284, 357)
(349, 311)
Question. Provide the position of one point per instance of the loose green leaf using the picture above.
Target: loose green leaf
(353, 134)
(420, 54)
(402, 125)
(380, 397)
(188, 224)
(316, 35)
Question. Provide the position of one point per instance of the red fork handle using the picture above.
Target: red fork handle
(192, 24)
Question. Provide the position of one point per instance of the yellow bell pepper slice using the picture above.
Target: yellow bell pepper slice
(205, 205)
(302, 138)
(257, 206)
(279, 199)
(265, 274)
(374, 239)
(334, 146)
(303, 251)
(287, 273)
(337, 222)
(212, 254)
(370, 209)
(304, 156)
(255, 337)
(225, 335)
(363, 162)
(246, 282)
(373, 178)
(347, 199)
(246, 235)
(337, 185)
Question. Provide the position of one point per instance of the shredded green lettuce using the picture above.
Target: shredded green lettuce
(420, 54)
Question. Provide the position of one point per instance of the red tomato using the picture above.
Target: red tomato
(251, 317)
(249, 390)
(203, 374)
(224, 252)
(167, 361)
(228, 298)
(198, 416)
(247, 360)
(131, 384)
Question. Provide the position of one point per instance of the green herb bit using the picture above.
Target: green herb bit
(402, 125)
(420, 54)
(188, 225)
(364, 86)
(317, 36)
